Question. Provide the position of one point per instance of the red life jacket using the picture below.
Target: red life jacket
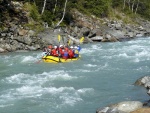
(66, 49)
(54, 52)
(71, 54)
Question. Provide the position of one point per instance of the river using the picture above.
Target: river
(104, 75)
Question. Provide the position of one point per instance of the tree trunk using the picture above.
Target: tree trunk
(133, 6)
(124, 4)
(137, 7)
(43, 7)
(63, 14)
(55, 7)
(129, 4)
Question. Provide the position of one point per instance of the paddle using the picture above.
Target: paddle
(40, 59)
(68, 42)
(58, 48)
(81, 40)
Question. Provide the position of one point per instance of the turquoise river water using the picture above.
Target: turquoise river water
(104, 75)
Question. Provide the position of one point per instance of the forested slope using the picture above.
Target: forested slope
(55, 11)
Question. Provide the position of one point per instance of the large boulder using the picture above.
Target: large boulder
(97, 38)
(143, 81)
(122, 107)
(24, 39)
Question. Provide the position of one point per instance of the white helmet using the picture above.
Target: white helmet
(75, 47)
(71, 47)
(55, 47)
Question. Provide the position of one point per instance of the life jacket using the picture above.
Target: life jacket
(61, 52)
(66, 48)
(76, 53)
(54, 52)
(65, 55)
(78, 48)
(71, 54)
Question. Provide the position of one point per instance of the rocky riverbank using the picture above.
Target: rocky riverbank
(16, 36)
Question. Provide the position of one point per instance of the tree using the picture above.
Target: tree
(137, 7)
(43, 7)
(63, 14)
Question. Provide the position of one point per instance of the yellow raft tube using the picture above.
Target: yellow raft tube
(54, 59)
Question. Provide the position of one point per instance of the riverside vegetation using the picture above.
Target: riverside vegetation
(31, 25)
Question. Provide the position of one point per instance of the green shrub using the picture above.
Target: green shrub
(34, 12)
(48, 17)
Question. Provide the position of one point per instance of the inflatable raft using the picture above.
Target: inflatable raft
(54, 59)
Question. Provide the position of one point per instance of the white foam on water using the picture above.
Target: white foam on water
(74, 96)
(16, 78)
(60, 90)
(83, 70)
(89, 65)
(58, 75)
(27, 59)
(123, 55)
(70, 100)
(142, 54)
(90, 50)
(7, 105)
(30, 85)
(29, 90)
(85, 90)
(102, 67)
(65, 95)
(136, 60)
(107, 57)
(42, 78)
(86, 51)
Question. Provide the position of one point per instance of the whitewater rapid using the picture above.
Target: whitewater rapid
(104, 75)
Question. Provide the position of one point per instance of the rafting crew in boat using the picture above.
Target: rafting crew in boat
(63, 51)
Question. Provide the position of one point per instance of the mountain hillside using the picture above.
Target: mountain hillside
(31, 25)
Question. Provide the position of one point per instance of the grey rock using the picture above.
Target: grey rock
(122, 107)
(31, 33)
(2, 50)
(96, 38)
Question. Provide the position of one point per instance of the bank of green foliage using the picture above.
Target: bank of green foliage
(35, 23)
(134, 7)
(99, 8)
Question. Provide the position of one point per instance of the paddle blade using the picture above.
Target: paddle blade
(59, 38)
(69, 42)
(81, 39)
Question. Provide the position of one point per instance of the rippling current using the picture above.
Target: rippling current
(104, 75)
